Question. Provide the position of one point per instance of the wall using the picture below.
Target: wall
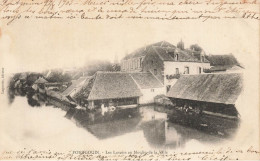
(148, 95)
(193, 69)
(151, 62)
(132, 64)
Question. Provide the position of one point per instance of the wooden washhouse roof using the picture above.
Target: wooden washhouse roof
(109, 85)
(216, 88)
(146, 80)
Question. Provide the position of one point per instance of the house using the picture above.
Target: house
(214, 94)
(134, 60)
(149, 86)
(39, 84)
(223, 63)
(166, 62)
(75, 86)
(113, 89)
(119, 89)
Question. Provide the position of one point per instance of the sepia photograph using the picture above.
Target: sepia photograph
(129, 80)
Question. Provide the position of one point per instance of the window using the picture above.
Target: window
(155, 71)
(199, 70)
(140, 63)
(152, 90)
(152, 62)
(168, 88)
(186, 70)
(177, 71)
(176, 57)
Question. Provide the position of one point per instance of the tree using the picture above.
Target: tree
(57, 76)
(196, 47)
(92, 68)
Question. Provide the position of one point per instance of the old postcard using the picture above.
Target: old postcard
(129, 80)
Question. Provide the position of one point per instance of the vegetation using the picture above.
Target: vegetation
(58, 76)
(196, 47)
(92, 68)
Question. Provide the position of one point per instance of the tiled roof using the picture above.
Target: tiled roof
(143, 51)
(163, 53)
(75, 84)
(217, 88)
(196, 54)
(146, 80)
(109, 85)
(166, 54)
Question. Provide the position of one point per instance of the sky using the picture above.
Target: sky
(37, 45)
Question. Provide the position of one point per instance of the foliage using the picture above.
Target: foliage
(92, 68)
(32, 77)
(196, 47)
(174, 76)
(57, 76)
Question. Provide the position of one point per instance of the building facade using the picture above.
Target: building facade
(133, 62)
(166, 62)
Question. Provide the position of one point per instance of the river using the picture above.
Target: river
(40, 122)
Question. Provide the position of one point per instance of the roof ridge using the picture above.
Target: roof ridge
(156, 78)
(91, 91)
(135, 81)
(153, 47)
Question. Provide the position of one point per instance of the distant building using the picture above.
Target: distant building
(134, 61)
(120, 89)
(224, 63)
(75, 86)
(39, 85)
(166, 62)
(209, 93)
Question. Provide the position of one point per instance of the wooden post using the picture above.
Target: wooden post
(91, 105)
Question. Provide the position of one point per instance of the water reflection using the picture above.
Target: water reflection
(157, 131)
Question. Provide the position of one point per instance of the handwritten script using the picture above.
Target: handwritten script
(14, 10)
(218, 154)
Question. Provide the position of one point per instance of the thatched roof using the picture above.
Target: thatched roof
(110, 85)
(143, 51)
(216, 88)
(146, 80)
